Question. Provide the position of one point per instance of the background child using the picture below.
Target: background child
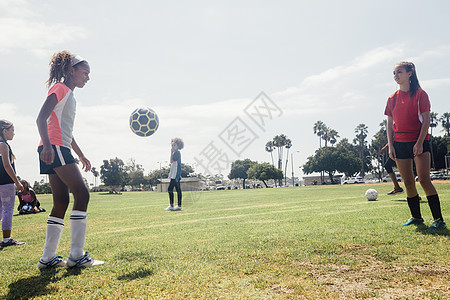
(388, 167)
(28, 196)
(55, 125)
(175, 173)
(7, 180)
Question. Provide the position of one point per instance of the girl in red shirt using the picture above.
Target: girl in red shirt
(408, 112)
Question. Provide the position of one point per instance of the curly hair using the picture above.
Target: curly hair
(414, 84)
(60, 65)
(179, 143)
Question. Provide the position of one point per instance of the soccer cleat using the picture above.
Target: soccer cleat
(437, 224)
(170, 208)
(83, 261)
(395, 191)
(55, 262)
(177, 208)
(414, 221)
(11, 242)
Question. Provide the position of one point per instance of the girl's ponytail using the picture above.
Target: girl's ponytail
(60, 65)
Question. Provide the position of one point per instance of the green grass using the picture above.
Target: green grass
(323, 242)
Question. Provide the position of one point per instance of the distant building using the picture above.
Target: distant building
(186, 184)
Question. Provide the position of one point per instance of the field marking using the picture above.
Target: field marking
(234, 217)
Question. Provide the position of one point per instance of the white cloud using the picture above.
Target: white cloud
(342, 97)
(358, 66)
(21, 28)
(435, 83)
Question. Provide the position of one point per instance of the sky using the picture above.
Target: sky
(225, 76)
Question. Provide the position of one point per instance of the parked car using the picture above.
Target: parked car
(352, 180)
(387, 178)
(437, 176)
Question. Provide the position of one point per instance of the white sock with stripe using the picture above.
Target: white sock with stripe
(55, 228)
(78, 226)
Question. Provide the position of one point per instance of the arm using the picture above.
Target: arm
(33, 194)
(384, 148)
(418, 147)
(4, 151)
(390, 137)
(86, 163)
(21, 202)
(172, 151)
(47, 154)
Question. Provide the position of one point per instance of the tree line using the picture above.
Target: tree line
(362, 156)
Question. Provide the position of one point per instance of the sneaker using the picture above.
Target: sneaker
(395, 191)
(415, 221)
(11, 242)
(177, 208)
(170, 208)
(437, 224)
(55, 262)
(83, 261)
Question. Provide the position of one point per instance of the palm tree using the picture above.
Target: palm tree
(269, 148)
(318, 130)
(433, 120)
(288, 145)
(445, 122)
(325, 134)
(361, 133)
(95, 173)
(279, 142)
(333, 135)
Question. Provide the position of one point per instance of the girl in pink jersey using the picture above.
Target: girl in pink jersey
(55, 125)
(28, 196)
(7, 180)
(408, 112)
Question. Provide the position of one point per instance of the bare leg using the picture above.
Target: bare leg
(6, 234)
(71, 177)
(60, 196)
(405, 167)
(394, 180)
(423, 172)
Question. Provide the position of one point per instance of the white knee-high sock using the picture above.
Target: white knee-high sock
(55, 228)
(78, 225)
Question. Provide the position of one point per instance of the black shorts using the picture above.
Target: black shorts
(63, 156)
(404, 150)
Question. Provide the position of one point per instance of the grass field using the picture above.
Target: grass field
(322, 242)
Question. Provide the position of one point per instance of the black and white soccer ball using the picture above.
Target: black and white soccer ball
(371, 194)
(26, 208)
(144, 121)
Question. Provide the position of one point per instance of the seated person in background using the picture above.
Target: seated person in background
(28, 197)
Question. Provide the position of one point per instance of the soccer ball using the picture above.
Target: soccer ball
(371, 194)
(26, 208)
(144, 121)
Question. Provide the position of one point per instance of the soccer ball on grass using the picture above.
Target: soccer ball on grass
(371, 194)
(144, 121)
(26, 208)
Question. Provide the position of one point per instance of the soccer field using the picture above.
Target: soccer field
(320, 242)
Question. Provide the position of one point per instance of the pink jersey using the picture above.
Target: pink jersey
(27, 197)
(407, 112)
(61, 120)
